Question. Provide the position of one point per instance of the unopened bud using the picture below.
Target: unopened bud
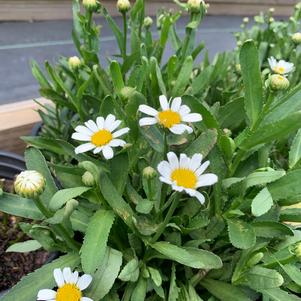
(88, 179)
(74, 62)
(123, 5)
(278, 82)
(246, 20)
(195, 5)
(29, 184)
(148, 22)
(297, 250)
(90, 4)
(127, 92)
(149, 172)
(271, 10)
(238, 67)
(296, 37)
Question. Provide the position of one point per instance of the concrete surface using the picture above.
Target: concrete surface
(22, 42)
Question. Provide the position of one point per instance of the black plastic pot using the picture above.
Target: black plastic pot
(11, 164)
(35, 131)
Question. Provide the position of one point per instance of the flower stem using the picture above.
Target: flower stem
(169, 215)
(124, 36)
(59, 229)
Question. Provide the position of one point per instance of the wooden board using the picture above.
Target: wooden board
(17, 120)
(30, 10)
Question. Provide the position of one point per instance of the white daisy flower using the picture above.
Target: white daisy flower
(100, 136)
(186, 174)
(70, 287)
(171, 116)
(282, 67)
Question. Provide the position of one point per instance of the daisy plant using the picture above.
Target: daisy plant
(199, 200)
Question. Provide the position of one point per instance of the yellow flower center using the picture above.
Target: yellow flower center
(184, 177)
(101, 138)
(279, 70)
(68, 292)
(169, 118)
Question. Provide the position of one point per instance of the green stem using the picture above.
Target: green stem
(169, 215)
(59, 229)
(89, 15)
(124, 36)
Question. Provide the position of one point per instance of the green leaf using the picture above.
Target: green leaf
(183, 78)
(114, 199)
(271, 229)
(192, 257)
(259, 278)
(27, 289)
(290, 215)
(263, 177)
(119, 168)
(106, 274)
(273, 131)
(224, 291)
(277, 294)
(25, 246)
(173, 288)
(241, 234)
(262, 203)
(155, 275)
(203, 144)
(139, 292)
(63, 196)
(154, 137)
(36, 161)
(116, 76)
(293, 272)
(250, 69)
(295, 151)
(130, 271)
(15, 205)
(200, 83)
(95, 243)
(286, 187)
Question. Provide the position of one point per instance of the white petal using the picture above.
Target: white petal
(58, 277)
(173, 160)
(195, 161)
(202, 168)
(148, 110)
(92, 125)
(120, 132)
(191, 192)
(184, 161)
(164, 169)
(184, 110)
(206, 180)
(272, 62)
(117, 142)
(67, 275)
(193, 117)
(177, 188)
(163, 102)
(100, 122)
(200, 197)
(83, 130)
(165, 180)
(81, 137)
(180, 129)
(97, 150)
(85, 299)
(46, 294)
(107, 152)
(147, 121)
(84, 281)
(176, 104)
(109, 120)
(74, 278)
(84, 148)
(113, 126)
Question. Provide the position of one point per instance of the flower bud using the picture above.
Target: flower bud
(149, 172)
(296, 37)
(271, 10)
(123, 5)
(127, 92)
(195, 5)
(88, 179)
(246, 20)
(74, 62)
(90, 4)
(148, 22)
(29, 184)
(238, 67)
(271, 20)
(278, 82)
(297, 250)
